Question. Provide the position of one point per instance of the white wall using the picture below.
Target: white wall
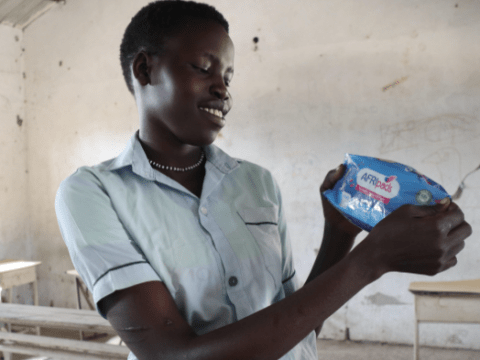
(14, 234)
(309, 91)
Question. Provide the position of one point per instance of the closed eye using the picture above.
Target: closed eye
(202, 70)
(205, 71)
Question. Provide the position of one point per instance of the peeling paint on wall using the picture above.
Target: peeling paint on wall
(380, 299)
(255, 41)
(454, 339)
(396, 82)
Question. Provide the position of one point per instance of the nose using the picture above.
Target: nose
(220, 90)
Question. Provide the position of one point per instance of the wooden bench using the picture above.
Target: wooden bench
(57, 348)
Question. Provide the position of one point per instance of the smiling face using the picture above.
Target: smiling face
(182, 94)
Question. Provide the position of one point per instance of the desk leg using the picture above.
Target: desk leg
(415, 340)
(10, 300)
(86, 296)
(35, 293)
(7, 355)
(416, 349)
(79, 286)
(35, 299)
(79, 304)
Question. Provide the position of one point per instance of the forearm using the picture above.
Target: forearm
(272, 332)
(336, 244)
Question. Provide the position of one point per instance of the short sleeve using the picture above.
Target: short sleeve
(102, 251)
(289, 279)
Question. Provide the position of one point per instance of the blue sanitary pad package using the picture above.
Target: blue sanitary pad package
(371, 188)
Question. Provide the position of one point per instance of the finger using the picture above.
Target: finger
(332, 177)
(453, 206)
(451, 219)
(460, 232)
(433, 267)
(429, 210)
(451, 263)
(452, 252)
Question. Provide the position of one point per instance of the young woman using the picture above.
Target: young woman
(185, 248)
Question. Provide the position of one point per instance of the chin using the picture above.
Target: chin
(204, 140)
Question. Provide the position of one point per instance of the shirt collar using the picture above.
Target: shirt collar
(134, 155)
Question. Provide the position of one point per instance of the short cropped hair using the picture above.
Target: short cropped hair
(150, 27)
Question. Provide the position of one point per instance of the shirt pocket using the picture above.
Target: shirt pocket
(262, 223)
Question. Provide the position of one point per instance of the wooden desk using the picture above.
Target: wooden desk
(445, 302)
(18, 272)
(15, 273)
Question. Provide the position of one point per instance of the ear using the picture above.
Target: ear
(141, 68)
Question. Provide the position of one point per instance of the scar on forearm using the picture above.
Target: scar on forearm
(134, 334)
(135, 328)
(131, 329)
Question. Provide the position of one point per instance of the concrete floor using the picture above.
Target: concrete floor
(327, 350)
(350, 350)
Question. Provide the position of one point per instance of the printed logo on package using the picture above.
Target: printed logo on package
(376, 185)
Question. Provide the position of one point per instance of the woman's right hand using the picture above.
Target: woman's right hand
(418, 239)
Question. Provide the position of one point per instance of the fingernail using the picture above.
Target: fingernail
(445, 201)
(337, 170)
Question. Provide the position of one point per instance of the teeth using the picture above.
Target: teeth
(213, 111)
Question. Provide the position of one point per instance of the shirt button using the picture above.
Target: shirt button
(204, 210)
(233, 281)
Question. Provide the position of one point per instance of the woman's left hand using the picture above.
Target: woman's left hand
(333, 217)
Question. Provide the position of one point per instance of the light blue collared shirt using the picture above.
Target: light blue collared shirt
(223, 256)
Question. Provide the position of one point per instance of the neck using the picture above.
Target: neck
(167, 152)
